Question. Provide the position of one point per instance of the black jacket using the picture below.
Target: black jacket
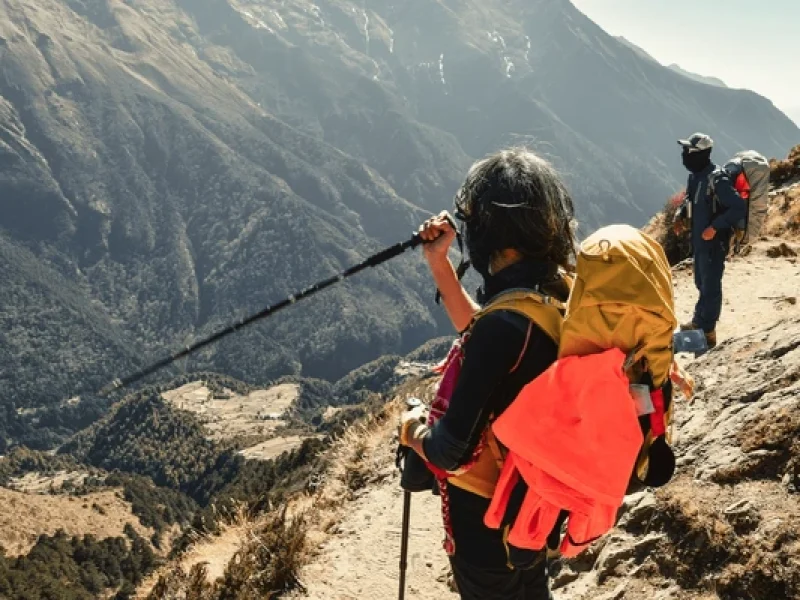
(485, 388)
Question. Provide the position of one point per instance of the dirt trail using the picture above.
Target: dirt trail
(360, 561)
(215, 553)
(757, 290)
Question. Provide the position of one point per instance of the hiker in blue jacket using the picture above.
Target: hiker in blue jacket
(713, 208)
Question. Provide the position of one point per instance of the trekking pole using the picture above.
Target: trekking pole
(404, 543)
(402, 452)
(372, 261)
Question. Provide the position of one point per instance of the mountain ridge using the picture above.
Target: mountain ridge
(696, 76)
(184, 163)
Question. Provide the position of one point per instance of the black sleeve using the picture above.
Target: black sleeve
(492, 350)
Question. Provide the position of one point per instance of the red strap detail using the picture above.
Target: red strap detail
(440, 473)
(742, 186)
(657, 425)
(449, 542)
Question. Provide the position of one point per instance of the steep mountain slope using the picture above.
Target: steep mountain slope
(491, 72)
(41, 310)
(182, 162)
(172, 200)
(674, 66)
(636, 48)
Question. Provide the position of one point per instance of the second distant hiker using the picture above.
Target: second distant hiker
(713, 208)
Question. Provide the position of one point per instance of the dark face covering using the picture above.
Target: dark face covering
(695, 162)
(526, 273)
(479, 248)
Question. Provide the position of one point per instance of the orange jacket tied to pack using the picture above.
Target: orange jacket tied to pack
(575, 454)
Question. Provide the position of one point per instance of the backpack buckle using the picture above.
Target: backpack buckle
(631, 357)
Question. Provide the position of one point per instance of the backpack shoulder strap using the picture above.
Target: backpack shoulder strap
(727, 173)
(713, 178)
(711, 188)
(546, 311)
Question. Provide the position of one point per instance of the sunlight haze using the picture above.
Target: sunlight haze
(710, 39)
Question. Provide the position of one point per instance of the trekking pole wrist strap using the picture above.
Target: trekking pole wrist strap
(412, 430)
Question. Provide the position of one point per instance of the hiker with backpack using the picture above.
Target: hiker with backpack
(714, 210)
(517, 221)
(556, 400)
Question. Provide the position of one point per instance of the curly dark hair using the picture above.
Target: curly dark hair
(516, 199)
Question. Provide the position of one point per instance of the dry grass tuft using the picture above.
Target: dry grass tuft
(265, 566)
(783, 171)
(661, 228)
(783, 214)
(772, 446)
(713, 544)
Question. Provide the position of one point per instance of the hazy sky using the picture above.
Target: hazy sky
(746, 43)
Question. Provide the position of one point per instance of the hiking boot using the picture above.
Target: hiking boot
(711, 339)
(690, 326)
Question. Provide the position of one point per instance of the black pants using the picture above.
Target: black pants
(481, 563)
(709, 266)
(480, 583)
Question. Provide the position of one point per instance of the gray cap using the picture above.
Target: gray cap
(697, 142)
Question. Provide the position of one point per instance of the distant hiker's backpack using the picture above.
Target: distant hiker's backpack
(623, 298)
(749, 172)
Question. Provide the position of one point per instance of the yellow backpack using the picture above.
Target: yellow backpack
(623, 298)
